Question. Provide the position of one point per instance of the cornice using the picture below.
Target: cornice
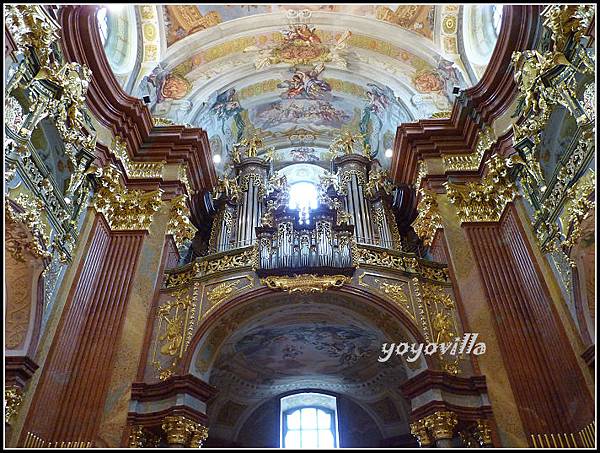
(124, 115)
(476, 107)
(431, 379)
(171, 387)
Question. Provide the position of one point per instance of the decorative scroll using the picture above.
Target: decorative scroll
(398, 291)
(305, 283)
(224, 290)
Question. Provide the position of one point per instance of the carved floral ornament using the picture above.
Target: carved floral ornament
(125, 209)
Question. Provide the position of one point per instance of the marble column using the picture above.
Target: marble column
(548, 384)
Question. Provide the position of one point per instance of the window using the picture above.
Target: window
(309, 420)
(497, 17)
(103, 24)
(304, 197)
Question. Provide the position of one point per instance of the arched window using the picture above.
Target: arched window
(480, 30)
(309, 420)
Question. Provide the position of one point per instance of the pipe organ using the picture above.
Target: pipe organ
(354, 207)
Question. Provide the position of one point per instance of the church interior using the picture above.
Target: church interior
(299, 226)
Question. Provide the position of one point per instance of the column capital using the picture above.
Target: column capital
(441, 424)
(13, 397)
(482, 432)
(419, 430)
(180, 430)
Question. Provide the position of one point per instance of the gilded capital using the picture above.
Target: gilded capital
(123, 208)
(419, 430)
(13, 397)
(136, 437)
(441, 424)
(179, 429)
(484, 201)
(482, 432)
(199, 436)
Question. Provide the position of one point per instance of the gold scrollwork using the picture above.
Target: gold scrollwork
(179, 221)
(305, 283)
(225, 290)
(174, 316)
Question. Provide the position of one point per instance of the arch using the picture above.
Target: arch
(255, 295)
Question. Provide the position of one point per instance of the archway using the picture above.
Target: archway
(274, 344)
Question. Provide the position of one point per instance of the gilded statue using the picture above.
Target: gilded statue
(172, 337)
(442, 324)
(251, 145)
(345, 142)
(229, 187)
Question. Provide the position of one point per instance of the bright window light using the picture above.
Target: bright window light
(304, 197)
(103, 24)
(309, 420)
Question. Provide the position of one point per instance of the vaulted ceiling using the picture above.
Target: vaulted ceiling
(297, 75)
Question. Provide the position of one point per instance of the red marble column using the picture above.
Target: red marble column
(547, 381)
(70, 396)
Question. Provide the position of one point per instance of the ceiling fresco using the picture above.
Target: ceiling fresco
(184, 20)
(299, 75)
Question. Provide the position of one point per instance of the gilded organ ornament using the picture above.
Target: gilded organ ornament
(179, 224)
(305, 283)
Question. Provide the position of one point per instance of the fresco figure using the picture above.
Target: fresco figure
(306, 84)
(227, 106)
(375, 113)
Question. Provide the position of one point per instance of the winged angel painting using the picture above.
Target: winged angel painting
(302, 45)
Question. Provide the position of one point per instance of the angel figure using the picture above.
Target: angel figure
(172, 336)
(229, 187)
(345, 142)
(327, 180)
